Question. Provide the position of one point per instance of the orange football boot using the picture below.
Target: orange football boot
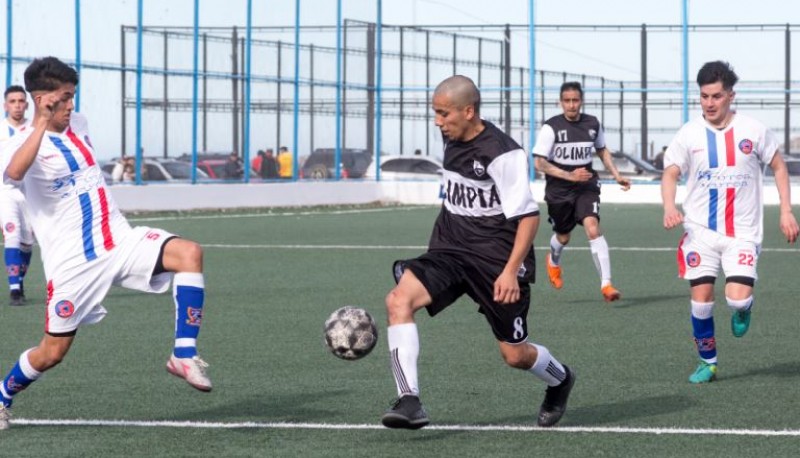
(554, 273)
(610, 294)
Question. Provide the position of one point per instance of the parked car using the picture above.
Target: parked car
(628, 166)
(407, 168)
(320, 164)
(215, 168)
(164, 170)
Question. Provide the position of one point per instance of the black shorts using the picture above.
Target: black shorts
(447, 277)
(567, 207)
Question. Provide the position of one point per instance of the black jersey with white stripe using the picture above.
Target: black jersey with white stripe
(487, 191)
(570, 144)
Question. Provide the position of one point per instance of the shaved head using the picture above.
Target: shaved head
(461, 91)
(456, 102)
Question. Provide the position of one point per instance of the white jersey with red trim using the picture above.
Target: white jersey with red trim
(723, 171)
(72, 212)
(6, 132)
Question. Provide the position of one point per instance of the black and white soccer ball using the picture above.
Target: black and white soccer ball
(350, 333)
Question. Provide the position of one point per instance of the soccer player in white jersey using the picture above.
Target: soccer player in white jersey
(481, 246)
(721, 155)
(87, 245)
(17, 233)
(564, 150)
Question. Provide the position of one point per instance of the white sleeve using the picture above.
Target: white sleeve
(769, 148)
(510, 172)
(600, 140)
(678, 152)
(544, 142)
(7, 152)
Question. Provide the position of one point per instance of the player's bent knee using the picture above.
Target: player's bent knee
(193, 252)
(516, 356)
(739, 304)
(398, 307)
(181, 255)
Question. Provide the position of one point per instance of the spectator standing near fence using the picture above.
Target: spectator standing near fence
(269, 165)
(233, 167)
(285, 163)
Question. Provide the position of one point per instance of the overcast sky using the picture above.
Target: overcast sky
(47, 27)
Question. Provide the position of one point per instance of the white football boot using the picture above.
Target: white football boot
(193, 370)
(5, 416)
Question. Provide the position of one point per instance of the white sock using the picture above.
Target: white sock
(602, 261)
(25, 366)
(555, 250)
(547, 368)
(739, 304)
(702, 310)
(404, 350)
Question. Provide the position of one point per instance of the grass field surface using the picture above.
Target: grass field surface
(273, 277)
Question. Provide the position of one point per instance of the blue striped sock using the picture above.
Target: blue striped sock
(19, 378)
(13, 258)
(26, 261)
(704, 338)
(189, 295)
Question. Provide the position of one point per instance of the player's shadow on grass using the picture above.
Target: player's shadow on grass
(780, 370)
(639, 301)
(628, 301)
(612, 412)
(295, 407)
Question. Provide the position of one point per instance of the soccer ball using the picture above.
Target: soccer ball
(350, 333)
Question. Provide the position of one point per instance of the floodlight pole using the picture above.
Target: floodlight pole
(138, 152)
(78, 52)
(9, 37)
(338, 150)
(295, 146)
(532, 83)
(685, 63)
(195, 52)
(247, 58)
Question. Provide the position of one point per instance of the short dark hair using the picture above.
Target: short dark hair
(571, 86)
(717, 71)
(48, 74)
(462, 92)
(12, 89)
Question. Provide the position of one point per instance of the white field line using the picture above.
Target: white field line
(345, 426)
(272, 215)
(424, 247)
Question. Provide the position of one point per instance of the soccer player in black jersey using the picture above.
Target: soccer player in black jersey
(563, 152)
(481, 246)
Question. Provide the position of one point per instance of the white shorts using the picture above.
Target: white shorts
(14, 216)
(75, 297)
(702, 252)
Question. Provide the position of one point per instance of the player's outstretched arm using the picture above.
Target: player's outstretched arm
(605, 155)
(669, 186)
(788, 223)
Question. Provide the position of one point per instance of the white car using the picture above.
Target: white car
(410, 167)
(161, 170)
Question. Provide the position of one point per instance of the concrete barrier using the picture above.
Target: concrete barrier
(163, 197)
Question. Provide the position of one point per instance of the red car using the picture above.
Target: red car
(215, 168)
